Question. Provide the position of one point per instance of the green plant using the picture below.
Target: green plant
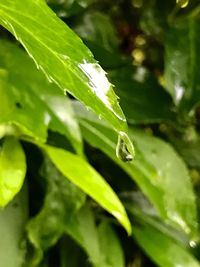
(68, 157)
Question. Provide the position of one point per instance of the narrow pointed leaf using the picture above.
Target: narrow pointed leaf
(28, 97)
(79, 172)
(161, 249)
(166, 246)
(154, 169)
(12, 169)
(62, 56)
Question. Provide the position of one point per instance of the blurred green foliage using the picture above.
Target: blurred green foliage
(63, 65)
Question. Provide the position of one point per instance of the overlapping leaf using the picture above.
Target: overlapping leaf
(63, 57)
(30, 101)
(79, 172)
(157, 170)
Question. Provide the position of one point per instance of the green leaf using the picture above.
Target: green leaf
(153, 169)
(28, 97)
(181, 63)
(164, 245)
(161, 249)
(96, 241)
(143, 100)
(12, 169)
(113, 253)
(79, 172)
(12, 223)
(83, 230)
(64, 58)
(61, 202)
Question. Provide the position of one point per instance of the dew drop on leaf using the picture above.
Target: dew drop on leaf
(125, 149)
(193, 244)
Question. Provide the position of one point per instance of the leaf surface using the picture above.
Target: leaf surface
(154, 170)
(12, 169)
(62, 56)
(28, 98)
(162, 249)
(79, 172)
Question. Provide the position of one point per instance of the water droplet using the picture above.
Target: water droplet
(179, 92)
(193, 244)
(182, 3)
(125, 149)
(49, 78)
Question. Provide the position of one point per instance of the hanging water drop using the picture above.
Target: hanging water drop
(182, 3)
(193, 244)
(125, 149)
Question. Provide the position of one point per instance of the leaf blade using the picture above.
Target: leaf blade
(28, 97)
(85, 177)
(163, 250)
(149, 170)
(12, 170)
(69, 64)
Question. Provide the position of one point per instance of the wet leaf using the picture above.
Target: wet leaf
(64, 58)
(28, 98)
(161, 249)
(12, 169)
(79, 172)
(153, 169)
(163, 244)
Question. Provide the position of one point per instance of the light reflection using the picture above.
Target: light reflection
(179, 92)
(193, 244)
(100, 85)
(182, 3)
(98, 80)
(140, 74)
(176, 218)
